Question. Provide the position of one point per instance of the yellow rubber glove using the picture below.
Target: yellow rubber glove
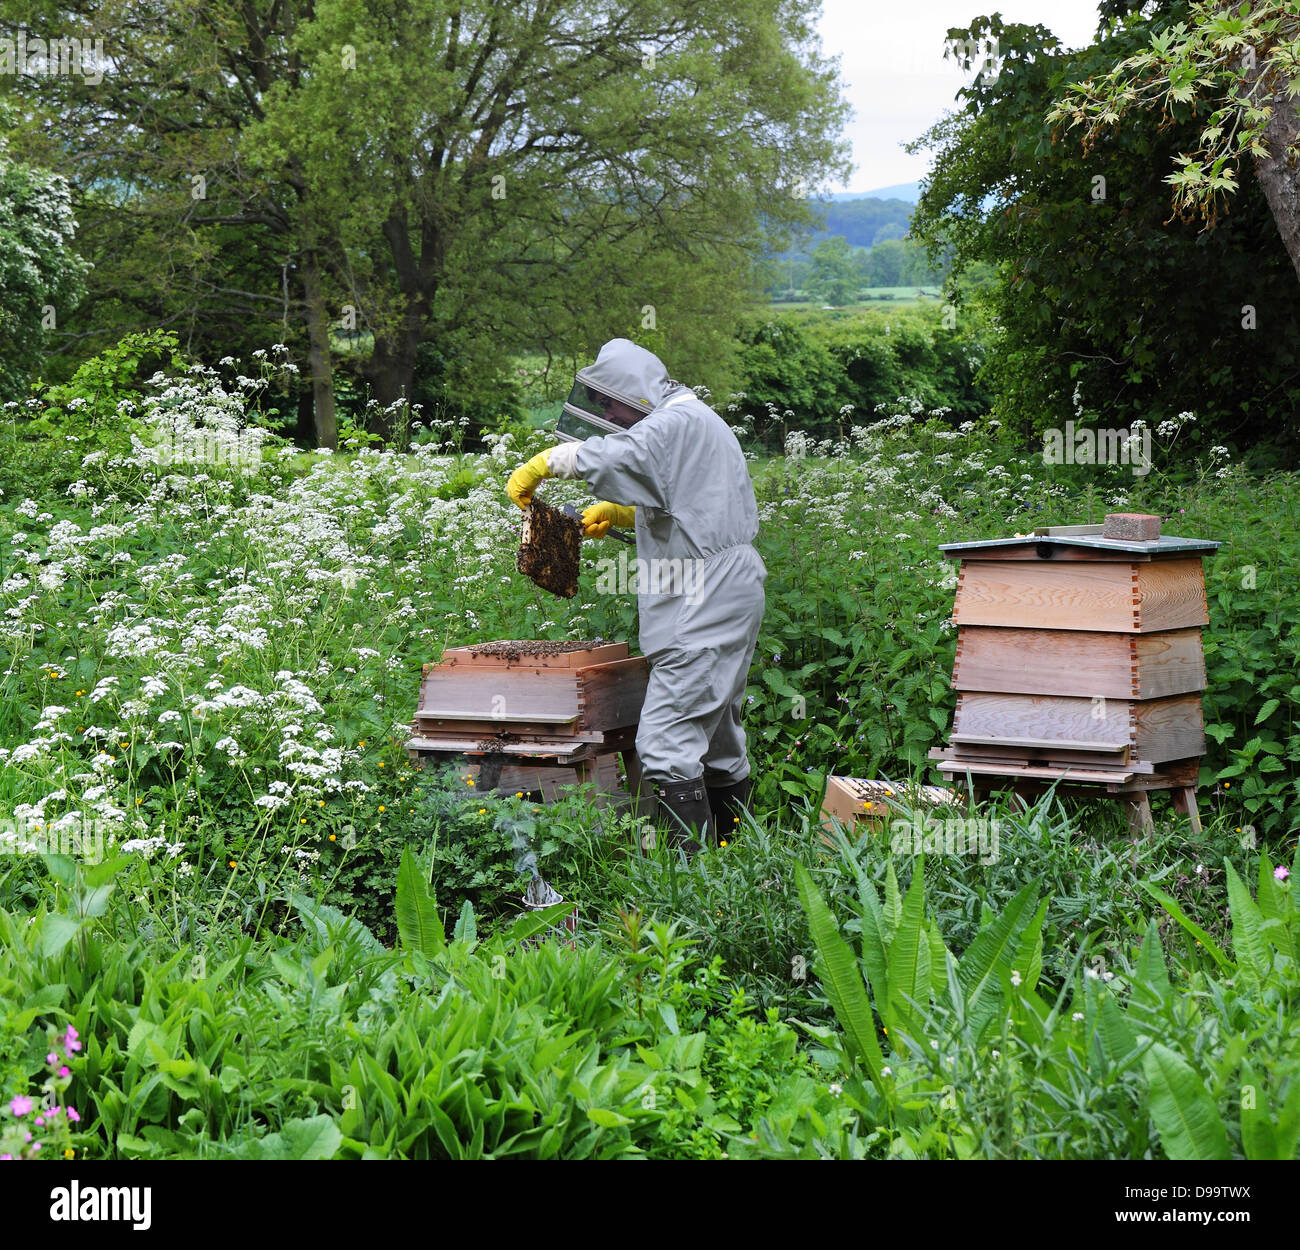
(527, 477)
(597, 519)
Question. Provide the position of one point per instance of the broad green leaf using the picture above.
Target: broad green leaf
(1183, 1112)
(875, 941)
(1116, 1037)
(418, 924)
(1250, 946)
(893, 901)
(1029, 952)
(57, 930)
(939, 957)
(530, 924)
(466, 927)
(328, 922)
(989, 957)
(101, 874)
(909, 952)
(315, 1138)
(1258, 1137)
(1206, 941)
(607, 1118)
(92, 903)
(841, 980)
(61, 867)
(1150, 975)
(1267, 710)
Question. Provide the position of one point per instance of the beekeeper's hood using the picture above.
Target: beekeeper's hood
(626, 383)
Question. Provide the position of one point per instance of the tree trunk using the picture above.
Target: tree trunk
(318, 354)
(1280, 180)
(391, 371)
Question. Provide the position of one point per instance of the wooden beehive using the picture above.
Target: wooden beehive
(550, 712)
(1079, 659)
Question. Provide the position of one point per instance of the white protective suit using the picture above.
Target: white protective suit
(684, 471)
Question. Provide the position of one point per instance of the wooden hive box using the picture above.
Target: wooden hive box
(560, 696)
(1079, 657)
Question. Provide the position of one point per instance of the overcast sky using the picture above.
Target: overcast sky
(895, 75)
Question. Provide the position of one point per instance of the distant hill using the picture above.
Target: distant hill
(863, 221)
(909, 191)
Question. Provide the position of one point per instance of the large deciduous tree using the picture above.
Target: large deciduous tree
(485, 176)
(1105, 304)
(1237, 66)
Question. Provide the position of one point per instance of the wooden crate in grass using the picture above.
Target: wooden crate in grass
(863, 806)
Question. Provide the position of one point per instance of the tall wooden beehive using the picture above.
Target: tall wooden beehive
(1079, 659)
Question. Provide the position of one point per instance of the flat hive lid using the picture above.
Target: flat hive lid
(1085, 536)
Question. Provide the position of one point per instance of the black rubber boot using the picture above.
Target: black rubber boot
(685, 814)
(726, 803)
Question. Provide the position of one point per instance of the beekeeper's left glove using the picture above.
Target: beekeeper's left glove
(555, 461)
(597, 519)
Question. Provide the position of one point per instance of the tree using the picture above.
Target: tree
(1241, 63)
(183, 233)
(485, 175)
(886, 264)
(834, 274)
(41, 277)
(1102, 302)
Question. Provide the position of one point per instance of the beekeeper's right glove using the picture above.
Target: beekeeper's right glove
(597, 519)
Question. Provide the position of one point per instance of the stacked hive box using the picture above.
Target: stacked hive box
(533, 716)
(1079, 660)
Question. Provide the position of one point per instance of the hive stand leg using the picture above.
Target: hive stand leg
(585, 773)
(1184, 798)
(1139, 814)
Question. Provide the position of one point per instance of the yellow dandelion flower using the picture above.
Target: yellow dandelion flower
(232, 863)
(302, 820)
(69, 1153)
(482, 811)
(382, 808)
(334, 837)
(381, 763)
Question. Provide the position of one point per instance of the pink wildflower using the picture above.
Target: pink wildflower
(20, 1106)
(72, 1115)
(1281, 872)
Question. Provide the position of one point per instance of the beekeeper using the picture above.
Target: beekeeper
(678, 475)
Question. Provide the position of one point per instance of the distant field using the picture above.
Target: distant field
(875, 296)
